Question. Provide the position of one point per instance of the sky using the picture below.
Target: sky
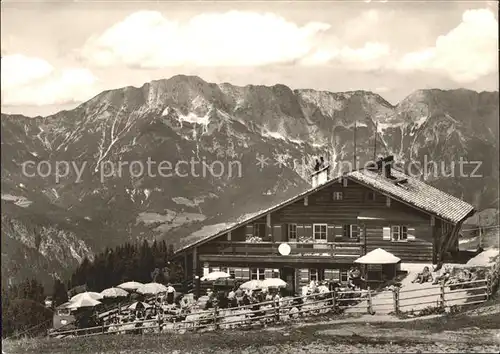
(58, 54)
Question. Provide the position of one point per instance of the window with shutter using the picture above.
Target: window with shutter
(276, 273)
(338, 196)
(399, 233)
(268, 273)
(320, 233)
(336, 274)
(304, 275)
(257, 274)
(386, 233)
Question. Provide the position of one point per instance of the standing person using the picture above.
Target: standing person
(170, 294)
(321, 162)
(238, 294)
(317, 165)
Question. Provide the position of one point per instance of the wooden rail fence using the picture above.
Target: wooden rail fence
(274, 312)
(271, 311)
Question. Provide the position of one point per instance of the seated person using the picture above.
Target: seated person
(423, 277)
(246, 300)
(464, 276)
(444, 276)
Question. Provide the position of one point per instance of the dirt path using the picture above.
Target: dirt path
(466, 335)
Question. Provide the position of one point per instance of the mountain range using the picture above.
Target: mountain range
(50, 224)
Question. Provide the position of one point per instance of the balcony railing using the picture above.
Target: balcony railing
(311, 249)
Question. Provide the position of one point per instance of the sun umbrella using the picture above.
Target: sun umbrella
(139, 304)
(216, 275)
(152, 289)
(251, 285)
(91, 294)
(130, 285)
(114, 292)
(274, 283)
(84, 301)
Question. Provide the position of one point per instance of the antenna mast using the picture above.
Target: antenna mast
(355, 145)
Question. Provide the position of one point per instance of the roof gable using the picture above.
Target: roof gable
(209, 232)
(415, 193)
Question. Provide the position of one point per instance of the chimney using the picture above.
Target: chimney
(384, 166)
(321, 176)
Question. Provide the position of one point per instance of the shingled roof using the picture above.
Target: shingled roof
(416, 193)
(413, 192)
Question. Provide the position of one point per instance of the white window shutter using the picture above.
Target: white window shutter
(386, 233)
(344, 182)
(268, 273)
(411, 234)
(387, 201)
(245, 273)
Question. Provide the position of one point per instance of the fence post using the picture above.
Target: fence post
(489, 288)
(216, 315)
(395, 297)
(369, 301)
(276, 310)
(443, 303)
(334, 299)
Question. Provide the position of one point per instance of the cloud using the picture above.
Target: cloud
(466, 53)
(371, 56)
(34, 81)
(18, 70)
(147, 39)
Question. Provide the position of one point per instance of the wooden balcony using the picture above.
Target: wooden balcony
(268, 251)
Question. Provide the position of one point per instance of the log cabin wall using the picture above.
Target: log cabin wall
(417, 248)
(323, 207)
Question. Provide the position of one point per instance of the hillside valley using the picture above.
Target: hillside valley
(49, 225)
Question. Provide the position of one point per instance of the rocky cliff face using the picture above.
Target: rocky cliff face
(49, 223)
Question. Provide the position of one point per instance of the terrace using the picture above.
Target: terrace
(341, 252)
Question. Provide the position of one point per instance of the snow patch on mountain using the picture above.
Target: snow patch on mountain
(185, 201)
(22, 202)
